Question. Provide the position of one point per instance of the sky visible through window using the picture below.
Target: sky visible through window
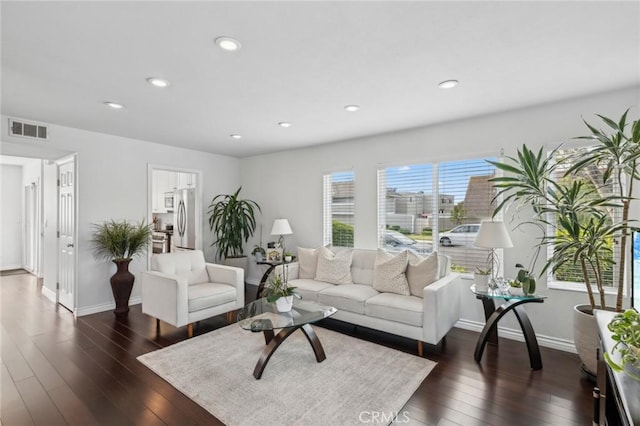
(457, 173)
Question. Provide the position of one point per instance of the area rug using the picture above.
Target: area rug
(359, 382)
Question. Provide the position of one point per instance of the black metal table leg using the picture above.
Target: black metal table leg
(491, 325)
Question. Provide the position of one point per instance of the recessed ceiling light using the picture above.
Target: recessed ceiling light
(114, 105)
(352, 108)
(448, 84)
(158, 82)
(284, 124)
(228, 43)
(234, 136)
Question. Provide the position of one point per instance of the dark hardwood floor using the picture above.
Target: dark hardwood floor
(60, 370)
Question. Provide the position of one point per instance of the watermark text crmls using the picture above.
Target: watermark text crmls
(382, 417)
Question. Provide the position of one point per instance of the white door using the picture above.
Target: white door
(66, 241)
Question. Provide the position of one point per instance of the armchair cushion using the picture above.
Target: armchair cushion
(185, 264)
(207, 295)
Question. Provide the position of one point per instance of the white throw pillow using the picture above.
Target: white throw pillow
(388, 272)
(421, 271)
(308, 260)
(334, 268)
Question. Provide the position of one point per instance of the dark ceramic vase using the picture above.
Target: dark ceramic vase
(121, 285)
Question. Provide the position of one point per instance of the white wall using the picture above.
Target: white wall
(294, 185)
(11, 217)
(112, 184)
(32, 173)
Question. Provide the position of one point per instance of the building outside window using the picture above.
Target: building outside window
(439, 206)
(339, 208)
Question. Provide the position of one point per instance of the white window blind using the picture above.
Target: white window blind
(339, 208)
(433, 202)
(593, 178)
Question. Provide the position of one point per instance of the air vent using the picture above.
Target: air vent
(27, 130)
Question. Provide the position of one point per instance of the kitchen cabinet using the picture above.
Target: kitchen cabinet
(164, 181)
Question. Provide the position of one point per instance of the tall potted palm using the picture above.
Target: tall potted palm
(120, 242)
(232, 220)
(572, 201)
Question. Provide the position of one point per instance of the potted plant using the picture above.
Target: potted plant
(280, 292)
(259, 253)
(120, 242)
(625, 329)
(481, 279)
(572, 202)
(288, 256)
(232, 220)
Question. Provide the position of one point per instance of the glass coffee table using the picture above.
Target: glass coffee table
(262, 316)
(493, 315)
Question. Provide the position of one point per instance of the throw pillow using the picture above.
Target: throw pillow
(334, 268)
(308, 260)
(388, 272)
(421, 271)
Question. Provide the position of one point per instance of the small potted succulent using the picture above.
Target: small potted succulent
(288, 256)
(481, 279)
(280, 292)
(259, 253)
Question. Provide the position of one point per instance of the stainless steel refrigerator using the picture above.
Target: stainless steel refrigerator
(184, 219)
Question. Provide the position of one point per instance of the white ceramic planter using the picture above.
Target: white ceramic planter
(585, 337)
(284, 304)
(481, 281)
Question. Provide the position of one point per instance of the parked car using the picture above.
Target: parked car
(396, 241)
(463, 235)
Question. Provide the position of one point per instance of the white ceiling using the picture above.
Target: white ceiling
(302, 62)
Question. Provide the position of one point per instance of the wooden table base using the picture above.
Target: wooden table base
(273, 342)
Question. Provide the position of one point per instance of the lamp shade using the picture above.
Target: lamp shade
(493, 234)
(281, 227)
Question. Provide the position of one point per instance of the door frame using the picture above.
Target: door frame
(199, 203)
(76, 181)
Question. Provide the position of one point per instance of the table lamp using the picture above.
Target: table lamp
(493, 235)
(281, 227)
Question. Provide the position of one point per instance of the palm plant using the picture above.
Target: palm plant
(232, 220)
(120, 240)
(574, 215)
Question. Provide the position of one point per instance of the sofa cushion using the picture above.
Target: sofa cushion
(394, 307)
(422, 271)
(207, 295)
(348, 297)
(308, 260)
(309, 289)
(334, 268)
(362, 266)
(388, 272)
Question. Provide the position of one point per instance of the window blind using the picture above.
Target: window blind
(339, 208)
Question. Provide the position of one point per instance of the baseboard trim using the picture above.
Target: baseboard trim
(49, 294)
(94, 309)
(509, 333)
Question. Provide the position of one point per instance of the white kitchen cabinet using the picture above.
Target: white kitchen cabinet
(160, 186)
(186, 180)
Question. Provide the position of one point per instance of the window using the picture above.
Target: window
(339, 208)
(593, 181)
(437, 207)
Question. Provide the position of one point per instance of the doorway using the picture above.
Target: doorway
(169, 189)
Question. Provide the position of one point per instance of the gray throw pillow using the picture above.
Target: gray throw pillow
(334, 268)
(421, 271)
(308, 260)
(388, 273)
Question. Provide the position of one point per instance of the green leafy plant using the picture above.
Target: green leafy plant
(120, 240)
(481, 271)
(625, 329)
(257, 249)
(574, 213)
(278, 288)
(288, 253)
(232, 220)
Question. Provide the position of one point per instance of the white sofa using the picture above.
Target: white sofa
(181, 288)
(425, 319)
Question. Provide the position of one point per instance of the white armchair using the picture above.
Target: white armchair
(181, 288)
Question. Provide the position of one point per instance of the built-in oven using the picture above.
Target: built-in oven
(168, 200)
(159, 242)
